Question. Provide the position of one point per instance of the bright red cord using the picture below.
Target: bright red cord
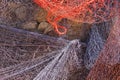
(87, 11)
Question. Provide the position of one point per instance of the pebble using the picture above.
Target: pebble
(45, 27)
(30, 25)
(21, 12)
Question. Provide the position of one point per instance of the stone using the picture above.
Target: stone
(21, 12)
(45, 27)
(29, 25)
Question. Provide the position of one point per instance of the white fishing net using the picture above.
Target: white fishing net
(38, 56)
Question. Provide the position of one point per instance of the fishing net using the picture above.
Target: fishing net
(10, 9)
(107, 66)
(30, 56)
(98, 36)
(24, 55)
(86, 11)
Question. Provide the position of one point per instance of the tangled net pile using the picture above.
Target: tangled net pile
(29, 56)
(9, 9)
(86, 11)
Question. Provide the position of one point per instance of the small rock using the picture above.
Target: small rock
(21, 12)
(45, 27)
(30, 25)
(13, 5)
(42, 26)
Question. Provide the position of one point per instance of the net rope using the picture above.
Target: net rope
(85, 11)
(56, 61)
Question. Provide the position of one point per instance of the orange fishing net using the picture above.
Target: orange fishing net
(87, 11)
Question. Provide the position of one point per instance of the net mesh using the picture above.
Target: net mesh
(61, 58)
(86, 11)
(9, 9)
(107, 66)
(29, 56)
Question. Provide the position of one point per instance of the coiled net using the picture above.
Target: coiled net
(86, 11)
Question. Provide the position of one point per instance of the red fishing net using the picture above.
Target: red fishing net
(86, 11)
